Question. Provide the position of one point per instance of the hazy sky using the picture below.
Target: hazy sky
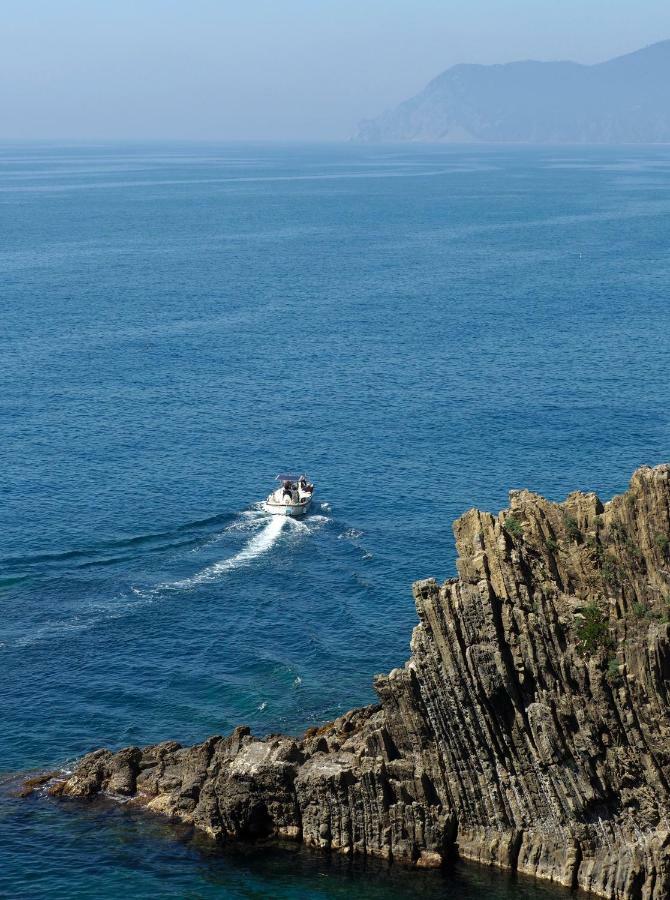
(272, 69)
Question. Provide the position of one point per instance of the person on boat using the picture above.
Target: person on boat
(305, 486)
(288, 491)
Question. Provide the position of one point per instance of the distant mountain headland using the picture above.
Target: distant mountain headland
(624, 100)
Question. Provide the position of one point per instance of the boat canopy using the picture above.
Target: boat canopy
(289, 477)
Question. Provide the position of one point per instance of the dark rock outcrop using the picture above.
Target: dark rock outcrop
(623, 100)
(530, 728)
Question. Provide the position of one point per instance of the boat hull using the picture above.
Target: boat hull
(287, 509)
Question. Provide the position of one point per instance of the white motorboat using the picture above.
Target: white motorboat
(292, 498)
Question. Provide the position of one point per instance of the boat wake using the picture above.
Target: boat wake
(262, 532)
(261, 543)
(109, 553)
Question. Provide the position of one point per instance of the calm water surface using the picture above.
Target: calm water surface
(419, 328)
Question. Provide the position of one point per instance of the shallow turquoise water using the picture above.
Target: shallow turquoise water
(419, 328)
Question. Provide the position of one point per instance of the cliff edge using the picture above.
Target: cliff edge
(530, 728)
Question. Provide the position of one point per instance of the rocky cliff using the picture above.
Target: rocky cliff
(623, 100)
(530, 728)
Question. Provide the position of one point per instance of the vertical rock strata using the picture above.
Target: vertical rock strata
(529, 730)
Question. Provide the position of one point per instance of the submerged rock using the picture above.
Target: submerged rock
(529, 730)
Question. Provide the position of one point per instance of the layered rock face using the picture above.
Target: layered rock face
(530, 728)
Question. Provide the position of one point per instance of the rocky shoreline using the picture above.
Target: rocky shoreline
(529, 730)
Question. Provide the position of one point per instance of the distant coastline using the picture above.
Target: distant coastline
(622, 101)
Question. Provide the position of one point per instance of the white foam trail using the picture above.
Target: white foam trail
(259, 544)
(309, 525)
(298, 526)
(351, 534)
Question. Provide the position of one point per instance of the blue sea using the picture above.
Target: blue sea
(418, 328)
